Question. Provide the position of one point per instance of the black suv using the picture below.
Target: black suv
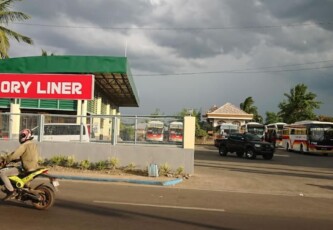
(246, 144)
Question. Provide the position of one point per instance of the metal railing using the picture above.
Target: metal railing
(113, 129)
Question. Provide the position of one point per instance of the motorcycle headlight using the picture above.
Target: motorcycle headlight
(257, 145)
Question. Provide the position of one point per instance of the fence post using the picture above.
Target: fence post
(41, 127)
(135, 129)
(114, 131)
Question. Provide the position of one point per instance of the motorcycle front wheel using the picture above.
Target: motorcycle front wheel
(46, 198)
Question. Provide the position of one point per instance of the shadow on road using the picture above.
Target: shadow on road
(322, 186)
(107, 211)
(270, 171)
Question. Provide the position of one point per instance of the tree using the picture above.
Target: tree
(45, 53)
(199, 131)
(272, 117)
(299, 105)
(5, 33)
(248, 107)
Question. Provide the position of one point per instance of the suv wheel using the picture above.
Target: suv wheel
(268, 156)
(223, 151)
(250, 154)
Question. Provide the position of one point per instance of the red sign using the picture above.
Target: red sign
(47, 86)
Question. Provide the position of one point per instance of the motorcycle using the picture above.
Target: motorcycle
(41, 196)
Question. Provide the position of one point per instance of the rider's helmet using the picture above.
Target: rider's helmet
(25, 135)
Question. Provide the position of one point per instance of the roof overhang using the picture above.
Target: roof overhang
(113, 78)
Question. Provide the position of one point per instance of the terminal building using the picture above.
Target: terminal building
(113, 86)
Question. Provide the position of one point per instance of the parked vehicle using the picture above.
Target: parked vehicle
(254, 128)
(41, 196)
(274, 133)
(247, 144)
(176, 131)
(62, 132)
(309, 137)
(155, 131)
(226, 129)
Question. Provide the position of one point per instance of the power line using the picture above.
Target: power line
(249, 70)
(177, 28)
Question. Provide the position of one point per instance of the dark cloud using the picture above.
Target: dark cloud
(251, 34)
(301, 10)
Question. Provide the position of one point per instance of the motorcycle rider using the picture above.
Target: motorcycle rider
(27, 153)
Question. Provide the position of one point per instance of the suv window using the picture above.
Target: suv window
(236, 136)
(252, 137)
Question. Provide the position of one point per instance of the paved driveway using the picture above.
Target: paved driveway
(291, 174)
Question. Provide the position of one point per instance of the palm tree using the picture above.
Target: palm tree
(299, 105)
(7, 16)
(248, 107)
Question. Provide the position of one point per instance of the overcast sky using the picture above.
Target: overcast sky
(195, 53)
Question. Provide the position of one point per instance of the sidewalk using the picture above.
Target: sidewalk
(120, 177)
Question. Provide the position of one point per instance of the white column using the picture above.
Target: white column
(82, 106)
(14, 122)
(97, 121)
(189, 132)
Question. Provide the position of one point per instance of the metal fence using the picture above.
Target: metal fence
(115, 129)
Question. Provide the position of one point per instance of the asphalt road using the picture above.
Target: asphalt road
(92, 205)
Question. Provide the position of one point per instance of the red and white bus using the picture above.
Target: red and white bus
(176, 131)
(309, 137)
(274, 133)
(155, 131)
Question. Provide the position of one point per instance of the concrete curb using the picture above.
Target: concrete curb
(148, 182)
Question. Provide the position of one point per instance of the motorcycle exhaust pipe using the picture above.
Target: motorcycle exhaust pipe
(32, 197)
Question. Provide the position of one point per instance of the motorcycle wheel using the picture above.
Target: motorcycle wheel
(47, 198)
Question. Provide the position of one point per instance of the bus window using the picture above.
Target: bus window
(63, 132)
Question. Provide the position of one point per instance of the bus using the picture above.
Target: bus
(254, 128)
(309, 137)
(155, 131)
(176, 131)
(62, 132)
(227, 128)
(274, 133)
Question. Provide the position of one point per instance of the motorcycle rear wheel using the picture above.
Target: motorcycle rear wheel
(47, 198)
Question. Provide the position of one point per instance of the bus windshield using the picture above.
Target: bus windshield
(154, 131)
(258, 130)
(227, 129)
(321, 134)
